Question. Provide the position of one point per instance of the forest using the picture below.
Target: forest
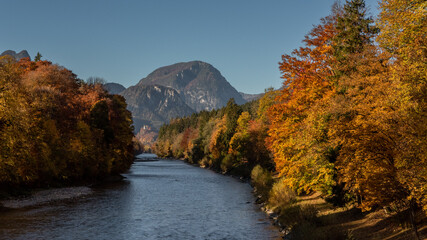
(349, 120)
(56, 129)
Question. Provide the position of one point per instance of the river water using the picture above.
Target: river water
(165, 199)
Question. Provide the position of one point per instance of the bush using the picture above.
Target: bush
(205, 162)
(281, 196)
(227, 163)
(261, 180)
(301, 219)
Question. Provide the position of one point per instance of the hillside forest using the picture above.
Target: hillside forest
(56, 130)
(349, 120)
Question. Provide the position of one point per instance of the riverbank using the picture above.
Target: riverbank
(325, 221)
(317, 219)
(41, 197)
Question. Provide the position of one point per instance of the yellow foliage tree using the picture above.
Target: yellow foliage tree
(403, 26)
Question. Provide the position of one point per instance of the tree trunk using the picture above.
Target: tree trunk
(412, 217)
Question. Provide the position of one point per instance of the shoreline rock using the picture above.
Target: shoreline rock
(46, 196)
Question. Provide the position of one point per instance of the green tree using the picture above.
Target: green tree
(355, 30)
(38, 57)
(99, 119)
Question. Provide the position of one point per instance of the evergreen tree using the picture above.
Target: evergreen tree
(354, 31)
(38, 57)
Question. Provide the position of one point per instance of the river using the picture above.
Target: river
(165, 199)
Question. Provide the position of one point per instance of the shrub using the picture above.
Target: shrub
(227, 163)
(261, 180)
(205, 162)
(302, 220)
(281, 195)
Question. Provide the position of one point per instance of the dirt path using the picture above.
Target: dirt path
(363, 226)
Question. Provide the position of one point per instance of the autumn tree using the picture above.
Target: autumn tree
(306, 75)
(403, 27)
(15, 158)
(378, 116)
(57, 129)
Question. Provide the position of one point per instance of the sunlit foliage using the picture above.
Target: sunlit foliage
(56, 128)
(227, 140)
(297, 123)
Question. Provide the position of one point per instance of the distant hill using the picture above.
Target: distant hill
(17, 56)
(114, 88)
(199, 84)
(250, 97)
(153, 105)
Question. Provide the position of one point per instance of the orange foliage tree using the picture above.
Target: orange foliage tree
(306, 75)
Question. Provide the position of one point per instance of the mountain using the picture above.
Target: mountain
(153, 105)
(250, 97)
(17, 56)
(200, 85)
(114, 88)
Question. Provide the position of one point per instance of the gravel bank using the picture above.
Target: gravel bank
(46, 196)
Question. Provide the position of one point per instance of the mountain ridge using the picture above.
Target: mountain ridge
(113, 88)
(17, 56)
(176, 90)
(199, 83)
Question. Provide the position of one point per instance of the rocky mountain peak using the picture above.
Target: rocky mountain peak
(153, 105)
(200, 84)
(17, 56)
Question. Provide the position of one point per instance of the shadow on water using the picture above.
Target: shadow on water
(132, 175)
(146, 160)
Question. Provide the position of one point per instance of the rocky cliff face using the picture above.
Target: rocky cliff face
(199, 84)
(153, 105)
(17, 56)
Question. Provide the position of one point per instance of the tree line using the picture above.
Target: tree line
(57, 129)
(349, 120)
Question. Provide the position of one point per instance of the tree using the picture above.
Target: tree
(38, 57)
(99, 119)
(240, 142)
(403, 27)
(95, 81)
(122, 132)
(354, 29)
(306, 73)
(363, 125)
(56, 128)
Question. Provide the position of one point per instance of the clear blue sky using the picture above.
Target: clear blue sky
(123, 41)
